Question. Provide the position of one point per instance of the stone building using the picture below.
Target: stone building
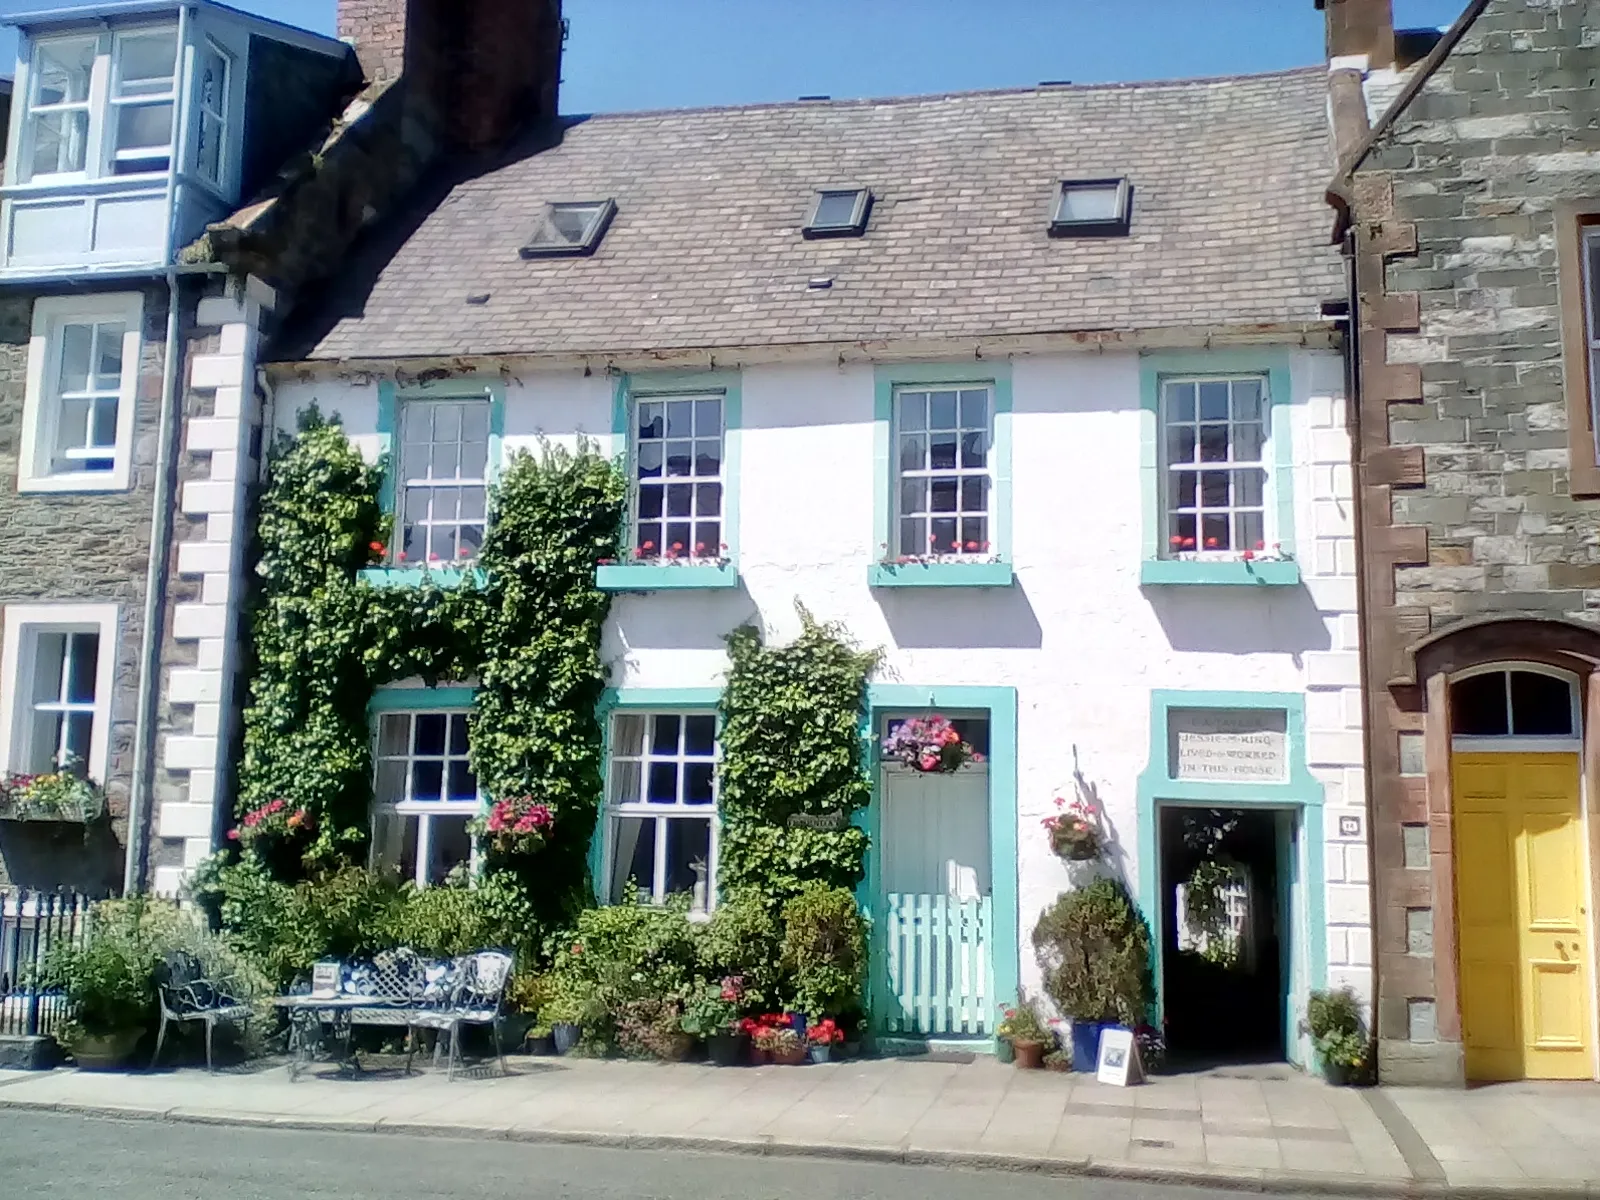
(1470, 210)
(125, 369)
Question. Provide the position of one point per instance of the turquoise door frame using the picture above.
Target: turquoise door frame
(1001, 705)
(1299, 794)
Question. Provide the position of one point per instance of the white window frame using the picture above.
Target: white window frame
(1589, 259)
(1265, 462)
(617, 809)
(408, 408)
(898, 476)
(114, 104)
(23, 624)
(1512, 743)
(41, 405)
(100, 137)
(218, 115)
(422, 810)
(693, 480)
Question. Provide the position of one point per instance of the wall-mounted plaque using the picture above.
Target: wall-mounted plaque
(1349, 825)
(1228, 745)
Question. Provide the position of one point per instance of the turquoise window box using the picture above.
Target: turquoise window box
(655, 577)
(445, 577)
(956, 574)
(1169, 572)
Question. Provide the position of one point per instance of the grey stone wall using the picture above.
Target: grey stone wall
(79, 548)
(1506, 128)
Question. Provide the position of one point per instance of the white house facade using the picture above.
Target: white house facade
(1061, 430)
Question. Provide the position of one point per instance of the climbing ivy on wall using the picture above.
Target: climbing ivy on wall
(527, 624)
(792, 769)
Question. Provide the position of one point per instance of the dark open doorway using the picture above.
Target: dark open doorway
(1224, 947)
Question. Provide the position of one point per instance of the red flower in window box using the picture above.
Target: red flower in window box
(1212, 543)
(516, 825)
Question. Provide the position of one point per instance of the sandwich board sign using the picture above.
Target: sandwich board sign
(1118, 1061)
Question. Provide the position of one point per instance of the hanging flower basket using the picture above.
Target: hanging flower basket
(58, 796)
(518, 825)
(1074, 831)
(929, 744)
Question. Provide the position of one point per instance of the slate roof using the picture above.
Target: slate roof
(1229, 227)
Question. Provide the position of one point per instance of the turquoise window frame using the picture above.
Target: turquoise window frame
(1300, 794)
(1001, 705)
(646, 699)
(390, 398)
(658, 577)
(885, 574)
(1156, 570)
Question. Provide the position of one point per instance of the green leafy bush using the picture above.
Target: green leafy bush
(1094, 947)
(792, 748)
(742, 941)
(1337, 1029)
(824, 950)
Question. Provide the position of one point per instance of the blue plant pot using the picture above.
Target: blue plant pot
(798, 1022)
(566, 1037)
(1086, 1044)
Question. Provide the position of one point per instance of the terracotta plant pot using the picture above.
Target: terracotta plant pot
(1030, 1055)
(106, 1051)
(676, 1049)
(792, 1057)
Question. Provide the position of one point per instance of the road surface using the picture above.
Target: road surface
(46, 1156)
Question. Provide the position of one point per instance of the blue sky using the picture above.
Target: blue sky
(630, 54)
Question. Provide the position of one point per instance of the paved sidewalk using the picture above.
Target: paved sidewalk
(1252, 1128)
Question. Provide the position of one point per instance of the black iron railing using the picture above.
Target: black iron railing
(30, 924)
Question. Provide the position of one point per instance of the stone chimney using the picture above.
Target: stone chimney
(478, 70)
(1360, 28)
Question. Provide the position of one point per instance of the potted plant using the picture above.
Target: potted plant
(563, 1012)
(60, 795)
(516, 825)
(1057, 1060)
(108, 981)
(1339, 1034)
(1094, 947)
(712, 1013)
(822, 1038)
(774, 1040)
(1027, 1034)
(1074, 831)
(928, 744)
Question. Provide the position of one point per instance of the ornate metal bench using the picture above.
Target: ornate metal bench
(187, 995)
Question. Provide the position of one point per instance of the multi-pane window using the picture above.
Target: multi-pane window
(443, 480)
(1591, 300)
(58, 106)
(424, 795)
(677, 457)
(143, 98)
(62, 700)
(944, 483)
(1214, 445)
(662, 807)
(211, 97)
(88, 390)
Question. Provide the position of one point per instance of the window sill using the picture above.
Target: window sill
(1165, 572)
(98, 481)
(954, 574)
(652, 577)
(444, 577)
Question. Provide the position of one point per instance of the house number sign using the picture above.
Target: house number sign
(1228, 745)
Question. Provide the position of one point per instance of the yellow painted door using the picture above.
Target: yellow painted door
(1522, 916)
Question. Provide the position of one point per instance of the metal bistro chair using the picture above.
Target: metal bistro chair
(480, 986)
(187, 995)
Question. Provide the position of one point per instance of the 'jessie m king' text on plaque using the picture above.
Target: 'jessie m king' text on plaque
(1228, 745)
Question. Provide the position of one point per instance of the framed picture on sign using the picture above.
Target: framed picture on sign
(1118, 1062)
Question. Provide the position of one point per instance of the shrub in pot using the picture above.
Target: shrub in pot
(712, 1013)
(1027, 1035)
(1094, 948)
(824, 950)
(1340, 1037)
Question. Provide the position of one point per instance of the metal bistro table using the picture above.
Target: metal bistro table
(308, 1013)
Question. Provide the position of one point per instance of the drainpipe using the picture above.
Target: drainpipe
(163, 499)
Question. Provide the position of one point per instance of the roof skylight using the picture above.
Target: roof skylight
(1087, 207)
(839, 212)
(568, 228)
